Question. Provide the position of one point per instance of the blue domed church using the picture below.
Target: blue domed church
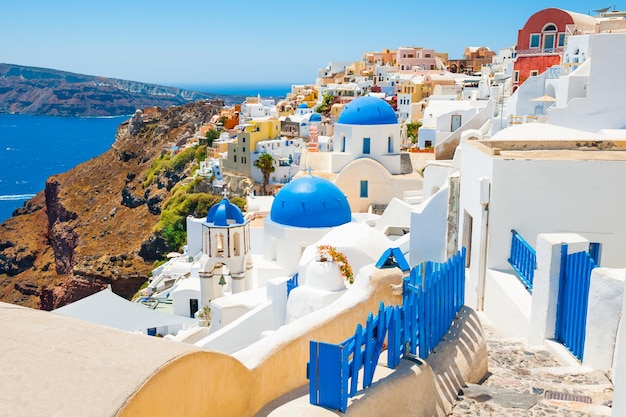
(368, 164)
(225, 258)
(303, 211)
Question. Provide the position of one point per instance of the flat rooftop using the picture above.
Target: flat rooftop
(562, 149)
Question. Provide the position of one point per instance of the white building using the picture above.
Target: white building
(582, 93)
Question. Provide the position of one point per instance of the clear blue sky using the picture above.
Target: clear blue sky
(252, 42)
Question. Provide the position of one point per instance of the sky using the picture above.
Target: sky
(278, 42)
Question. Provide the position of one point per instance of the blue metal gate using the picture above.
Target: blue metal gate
(571, 316)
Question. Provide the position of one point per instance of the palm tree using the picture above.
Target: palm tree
(266, 164)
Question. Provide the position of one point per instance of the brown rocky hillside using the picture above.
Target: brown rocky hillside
(92, 226)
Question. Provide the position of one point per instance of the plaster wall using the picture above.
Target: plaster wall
(428, 229)
(435, 177)
(603, 106)
(507, 303)
(619, 368)
(520, 103)
(242, 332)
(397, 214)
(570, 88)
(547, 281)
(194, 235)
(606, 296)
(536, 196)
(381, 185)
(474, 165)
(284, 245)
(378, 135)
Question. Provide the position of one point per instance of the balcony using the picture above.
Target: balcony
(539, 51)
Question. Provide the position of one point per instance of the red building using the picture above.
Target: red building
(540, 43)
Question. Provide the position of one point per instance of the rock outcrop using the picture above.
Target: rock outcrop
(93, 225)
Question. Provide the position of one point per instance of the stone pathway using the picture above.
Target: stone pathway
(530, 381)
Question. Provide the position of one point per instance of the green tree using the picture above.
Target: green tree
(266, 164)
(412, 129)
(175, 235)
(211, 135)
(327, 102)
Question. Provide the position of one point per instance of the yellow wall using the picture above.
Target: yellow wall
(216, 384)
(195, 384)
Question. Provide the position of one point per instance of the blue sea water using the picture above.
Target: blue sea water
(33, 148)
(249, 90)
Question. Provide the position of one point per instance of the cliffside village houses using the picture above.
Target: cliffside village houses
(526, 145)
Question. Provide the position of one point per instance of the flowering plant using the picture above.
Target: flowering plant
(326, 252)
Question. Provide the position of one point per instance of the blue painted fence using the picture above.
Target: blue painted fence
(571, 318)
(433, 294)
(523, 259)
(292, 283)
(335, 370)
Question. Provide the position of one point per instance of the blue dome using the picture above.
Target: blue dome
(367, 110)
(310, 202)
(303, 106)
(225, 214)
(315, 117)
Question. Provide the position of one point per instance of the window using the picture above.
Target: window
(234, 158)
(366, 146)
(389, 145)
(548, 42)
(561, 40)
(219, 244)
(516, 76)
(236, 243)
(244, 149)
(363, 193)
(534, 40)
(534, 73)
(343, 144)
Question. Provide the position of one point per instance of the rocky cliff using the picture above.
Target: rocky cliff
(92, 226)
(30, 90)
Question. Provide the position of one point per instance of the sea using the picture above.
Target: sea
(33, 148)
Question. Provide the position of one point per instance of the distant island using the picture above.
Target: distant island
(42, 91)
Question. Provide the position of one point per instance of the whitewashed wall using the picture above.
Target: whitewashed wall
(428, 229)
(606, 94)
(547, 196)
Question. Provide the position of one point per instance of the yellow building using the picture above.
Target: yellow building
(239, 151)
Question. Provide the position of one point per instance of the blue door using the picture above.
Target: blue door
(571, 318)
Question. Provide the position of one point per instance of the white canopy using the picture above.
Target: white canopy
(109, 309)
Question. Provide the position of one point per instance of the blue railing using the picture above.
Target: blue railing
(523, 259)
(292, 283)
(571, 319)
(433, 294)
(335, 370)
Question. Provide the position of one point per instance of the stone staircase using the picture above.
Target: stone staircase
(530, 381)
